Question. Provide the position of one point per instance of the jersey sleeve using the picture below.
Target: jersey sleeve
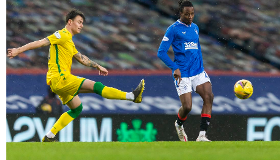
(199, 47)
(59, 37)
(164, 47)
(75, 51)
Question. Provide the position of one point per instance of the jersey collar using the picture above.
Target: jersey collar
(184, 23)
(67, 31)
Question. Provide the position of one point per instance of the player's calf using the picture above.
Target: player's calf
(63, 121)
(113, 93)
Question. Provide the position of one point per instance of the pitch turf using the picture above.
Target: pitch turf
(224, 150)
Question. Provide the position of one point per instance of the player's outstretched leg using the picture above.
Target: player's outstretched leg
(90, 86)
(113, 93)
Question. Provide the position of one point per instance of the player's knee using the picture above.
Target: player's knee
(186, 108)
(98, 87)
(74, 113)
(208, 98)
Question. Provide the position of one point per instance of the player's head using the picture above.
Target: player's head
(186, 11)
(75, 20)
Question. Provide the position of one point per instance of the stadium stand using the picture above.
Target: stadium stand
(126, 35)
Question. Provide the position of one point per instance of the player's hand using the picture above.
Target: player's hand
(177, 76)
(102, 71)
(12, 52)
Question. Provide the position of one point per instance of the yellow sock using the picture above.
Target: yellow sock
(113, 93)
(63, 121)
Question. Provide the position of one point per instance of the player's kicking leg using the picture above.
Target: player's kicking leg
(205, 91)
(90, 86)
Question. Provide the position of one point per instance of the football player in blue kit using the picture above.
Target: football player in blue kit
(187, 68)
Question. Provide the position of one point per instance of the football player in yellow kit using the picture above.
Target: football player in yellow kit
(59, 77)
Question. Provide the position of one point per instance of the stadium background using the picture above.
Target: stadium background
(239, 40)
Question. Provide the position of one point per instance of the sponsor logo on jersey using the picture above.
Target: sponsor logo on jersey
(190, 45)
(165, 38)
(184, 32)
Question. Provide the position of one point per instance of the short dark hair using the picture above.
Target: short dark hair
(184, 3)
(73, 13)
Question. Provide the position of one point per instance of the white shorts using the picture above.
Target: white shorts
(188, 83)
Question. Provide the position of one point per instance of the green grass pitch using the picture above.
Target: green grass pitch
(220, 150)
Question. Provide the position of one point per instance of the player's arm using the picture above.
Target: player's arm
(83, 59)
(162, 53)
(164, 47)
(12, 52)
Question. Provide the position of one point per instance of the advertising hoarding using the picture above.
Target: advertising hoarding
(142, 128)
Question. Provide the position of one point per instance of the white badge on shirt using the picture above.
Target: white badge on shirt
(165, 38)
(57, 35)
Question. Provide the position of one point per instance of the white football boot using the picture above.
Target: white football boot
(202, 138)
(181, 133)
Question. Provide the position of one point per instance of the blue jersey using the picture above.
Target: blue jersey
(186, 47)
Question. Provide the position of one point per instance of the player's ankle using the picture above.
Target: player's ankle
(202, 133)
(130, 96)
(50, 135)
